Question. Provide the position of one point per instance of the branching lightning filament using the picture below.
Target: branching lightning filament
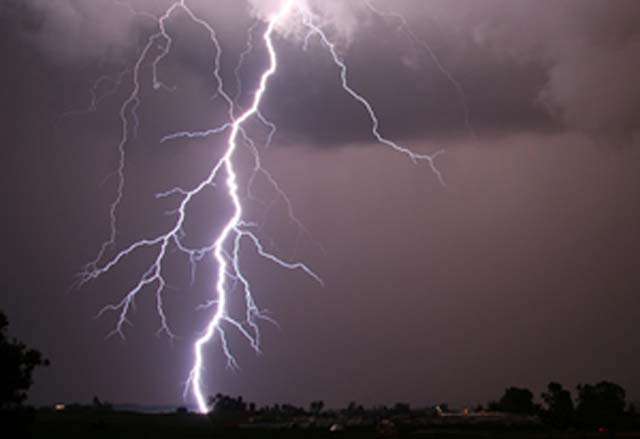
(224, 252)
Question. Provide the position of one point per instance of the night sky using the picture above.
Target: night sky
(522, 270)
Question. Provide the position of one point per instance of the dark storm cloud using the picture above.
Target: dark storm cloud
(588, 48)
(523, 66)
(412, 101)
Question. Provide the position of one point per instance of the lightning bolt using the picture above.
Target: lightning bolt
(233, 224)
(314, 29)
(224, 251)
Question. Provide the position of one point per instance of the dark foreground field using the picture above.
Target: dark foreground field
(48, 425)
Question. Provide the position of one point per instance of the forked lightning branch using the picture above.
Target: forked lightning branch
(224, 253)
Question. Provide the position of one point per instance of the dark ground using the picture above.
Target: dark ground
(48, 425)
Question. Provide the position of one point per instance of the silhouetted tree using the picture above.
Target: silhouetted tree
(602, 404)
(289, 410)
(354, 409)
(560, 411)
(516, 400)
(380, 411)
(401, 408)
(227, 411)
(224, 405)
(316, 407)
(632, 417)
(17, 363)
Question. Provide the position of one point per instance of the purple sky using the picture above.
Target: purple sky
(523, 270)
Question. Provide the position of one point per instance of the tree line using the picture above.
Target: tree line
(17, 363)
(596, 405)
(600, 405)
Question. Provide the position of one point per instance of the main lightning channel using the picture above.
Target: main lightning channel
(234, 222)
(234, 231)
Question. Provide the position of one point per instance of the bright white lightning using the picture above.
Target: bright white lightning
(236, 229)
(375, 123)
(233, 224)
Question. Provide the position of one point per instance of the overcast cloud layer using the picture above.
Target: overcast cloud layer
(583, 54)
